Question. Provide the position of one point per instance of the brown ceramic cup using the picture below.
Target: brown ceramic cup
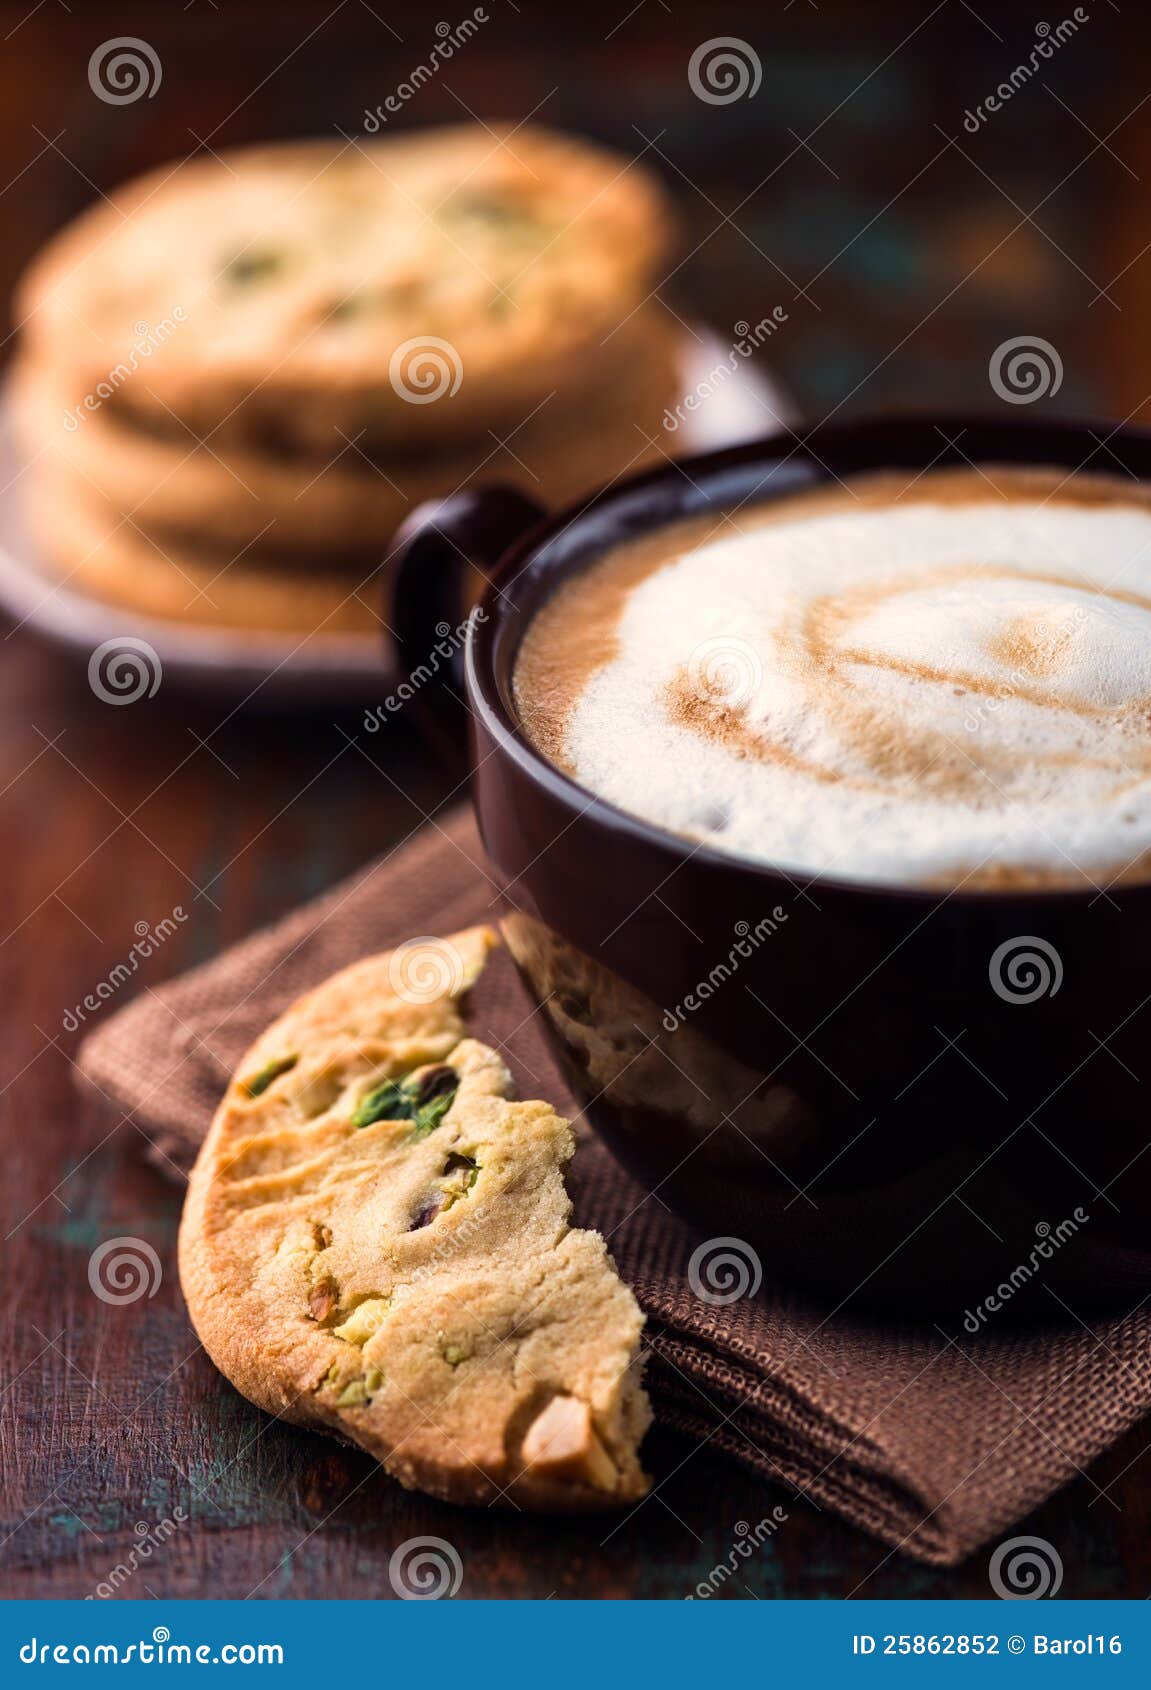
(895, 1097)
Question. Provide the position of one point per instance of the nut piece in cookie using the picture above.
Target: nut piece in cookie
(563, 1443)
(377, 1242)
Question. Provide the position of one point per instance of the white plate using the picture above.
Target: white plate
(285, 670)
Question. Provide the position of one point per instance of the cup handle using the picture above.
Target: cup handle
(438, 546)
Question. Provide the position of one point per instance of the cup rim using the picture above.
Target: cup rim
(490, 701)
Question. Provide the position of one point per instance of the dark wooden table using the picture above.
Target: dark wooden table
(902, 262)
(113, 1419)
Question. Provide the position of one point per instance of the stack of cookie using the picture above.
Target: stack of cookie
(240, 374)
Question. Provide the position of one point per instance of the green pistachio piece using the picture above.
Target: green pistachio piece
(460, 1174)
(263, 1077)
(424, 1101)
(459, 1164)
(364, 1319)
(437, 1081)
(429, 1115)
(248, 267)
(358, 1393)
(384, 1103)
(500, 217)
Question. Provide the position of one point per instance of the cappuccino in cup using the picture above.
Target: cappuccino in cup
(942, 680)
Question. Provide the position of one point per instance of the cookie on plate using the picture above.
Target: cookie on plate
(377, 1243)
(405, 289)
(331, 510)
(86, 545)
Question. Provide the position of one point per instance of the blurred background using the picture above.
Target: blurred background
(907, 231)
(903, 246)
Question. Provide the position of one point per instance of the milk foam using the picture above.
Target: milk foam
(890, 694)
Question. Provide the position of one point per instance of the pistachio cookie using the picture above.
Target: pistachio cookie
(328, 511)
(377, 1243)
(86, 545)
(279, 293)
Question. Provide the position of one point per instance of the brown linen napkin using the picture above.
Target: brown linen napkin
(931, 1444)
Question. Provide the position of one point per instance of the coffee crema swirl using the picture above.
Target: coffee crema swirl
(948, 682)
